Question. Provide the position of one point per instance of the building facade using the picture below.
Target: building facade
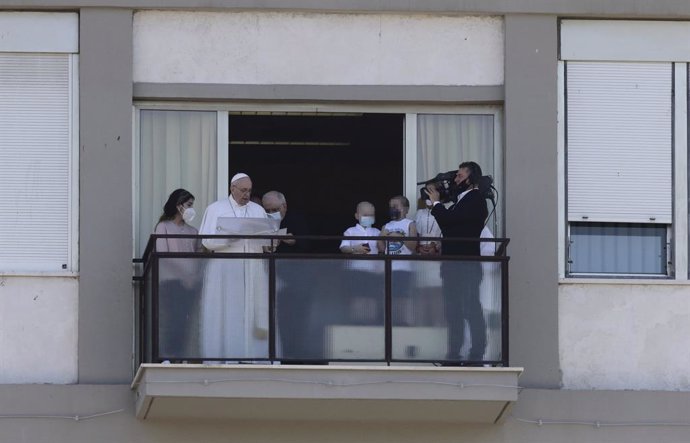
(579, 111)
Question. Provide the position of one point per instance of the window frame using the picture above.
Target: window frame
(409, 112)
(677, 232)
(53, 33)
(571, 274)
(72, 253)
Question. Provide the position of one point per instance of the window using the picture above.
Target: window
(623, 148)
(618, 248)
(38, 142)
(619, 166)
(186, 145)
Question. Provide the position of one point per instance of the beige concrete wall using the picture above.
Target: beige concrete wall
(316, 49)
(38, 329)
(624, 336)
(580, 8)
(586, 408)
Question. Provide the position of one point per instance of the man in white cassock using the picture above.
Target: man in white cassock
(235, 297)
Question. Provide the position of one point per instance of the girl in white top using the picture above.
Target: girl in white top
(399, 226)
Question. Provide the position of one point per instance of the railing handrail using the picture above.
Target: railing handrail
(499, 254)
(500, 250)
(325, 237)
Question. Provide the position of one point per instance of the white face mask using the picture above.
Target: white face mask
(428, 203)
(275, 215)
(188, 215)
(367, 221)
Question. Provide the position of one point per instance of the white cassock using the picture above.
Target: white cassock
(234, 308)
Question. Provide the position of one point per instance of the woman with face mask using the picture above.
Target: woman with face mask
(178, 279)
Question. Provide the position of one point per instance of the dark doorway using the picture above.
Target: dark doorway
(324, 163)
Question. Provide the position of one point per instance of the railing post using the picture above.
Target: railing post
(140, 322)
(155, 318)
(272, 306)
(504, 313)
(388, 310)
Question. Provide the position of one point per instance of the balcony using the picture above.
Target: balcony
(322, 336)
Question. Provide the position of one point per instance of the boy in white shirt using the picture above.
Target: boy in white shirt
(365, 279)
(365, 215)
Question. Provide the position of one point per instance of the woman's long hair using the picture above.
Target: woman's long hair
(177, 197)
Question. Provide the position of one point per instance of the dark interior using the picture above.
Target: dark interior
(323, 163)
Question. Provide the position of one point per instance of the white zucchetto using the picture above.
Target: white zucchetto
(238, 176)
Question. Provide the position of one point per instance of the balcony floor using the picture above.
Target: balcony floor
(335, 392)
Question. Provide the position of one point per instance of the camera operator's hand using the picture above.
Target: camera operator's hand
(434, 195)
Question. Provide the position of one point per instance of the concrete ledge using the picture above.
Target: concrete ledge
(673, 9)
(309, 393)
(315, 93)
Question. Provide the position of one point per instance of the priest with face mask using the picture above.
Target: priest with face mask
(234, 310)
(294, 223)
(299, 338)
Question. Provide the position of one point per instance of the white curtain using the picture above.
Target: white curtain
(445, 141)
(177, 149)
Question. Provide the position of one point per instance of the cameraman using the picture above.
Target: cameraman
(465, 219)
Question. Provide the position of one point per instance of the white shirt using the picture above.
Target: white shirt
(226, 207)
(426, 224)
(464, 193)
(360, 231)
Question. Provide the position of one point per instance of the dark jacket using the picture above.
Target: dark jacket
(296, 225)
(464, 219)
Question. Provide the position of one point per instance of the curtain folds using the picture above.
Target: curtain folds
(177, 149)
(445, 141)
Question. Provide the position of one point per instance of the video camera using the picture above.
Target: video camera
(448, 191)
(444, 182)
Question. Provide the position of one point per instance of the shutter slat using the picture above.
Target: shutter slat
(619, 141)
(35, 147)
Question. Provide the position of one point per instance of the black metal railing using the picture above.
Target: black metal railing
(249, 304)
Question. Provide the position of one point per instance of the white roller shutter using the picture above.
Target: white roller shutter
(619, 142)
(36, 118)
